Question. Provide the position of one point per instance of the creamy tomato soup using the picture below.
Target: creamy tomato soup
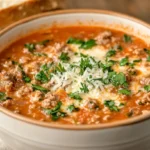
(76, 75)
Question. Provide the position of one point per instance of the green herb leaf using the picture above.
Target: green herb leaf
(39, 88)
(88, 44)
(30, 47)
(137, 60)
(124, 61)
(44, 43)
(85, 63)
(3, 97)
(109, 63)
(148, 58)
(26, 79)
(72, 108)
(127, 38)
(122, 104)
(41, 76)
(72, 40)
(83, 55)
(106, 66)
(147, 51)
(110, 53)
(84, 88)
(147, 88)
(118, 79)
(125, 91)
(60, 68)
(134, 63)
(46, 67)
(83, 44)
(15, 62)
(111, 105)
(120, 48)
(64, 57)
(75, 96)
(55, 112)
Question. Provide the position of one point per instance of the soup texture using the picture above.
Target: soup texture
(76, 75)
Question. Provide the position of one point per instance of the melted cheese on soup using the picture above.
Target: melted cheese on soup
(76, 75)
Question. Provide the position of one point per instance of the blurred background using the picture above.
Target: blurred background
(14, 10)
(136, 8)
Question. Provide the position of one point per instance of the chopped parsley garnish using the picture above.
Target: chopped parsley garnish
(125, 92)
(119, 48)
(124, 61)
(147, 88)
(141, 103)
(134, 63)
(75, 96)
(60, 68)
(44, 43)
(82, 44)
(83, 55)
(30, 47)
(147, 51)
(64, 57)
(41, 76)
(3, 97)
(84, 88)
(72, 108)
(75, 53)
(15, 62)
(122, 104)
(111, 105)
(88, 44)
(85, 63)
(25, 78)
(148, 58)
(127, 38)
(55, 112)
(111, 53)
(118, 79)
(108, 80)
(109, 63)
(106, 66)
(39, 88)
(46, 67)
(72, 40)
(137, 60)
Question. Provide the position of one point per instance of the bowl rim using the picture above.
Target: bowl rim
(126, 122)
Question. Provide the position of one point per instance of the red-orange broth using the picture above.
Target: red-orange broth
(76, 75)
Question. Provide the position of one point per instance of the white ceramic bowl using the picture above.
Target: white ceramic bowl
(26, 134)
